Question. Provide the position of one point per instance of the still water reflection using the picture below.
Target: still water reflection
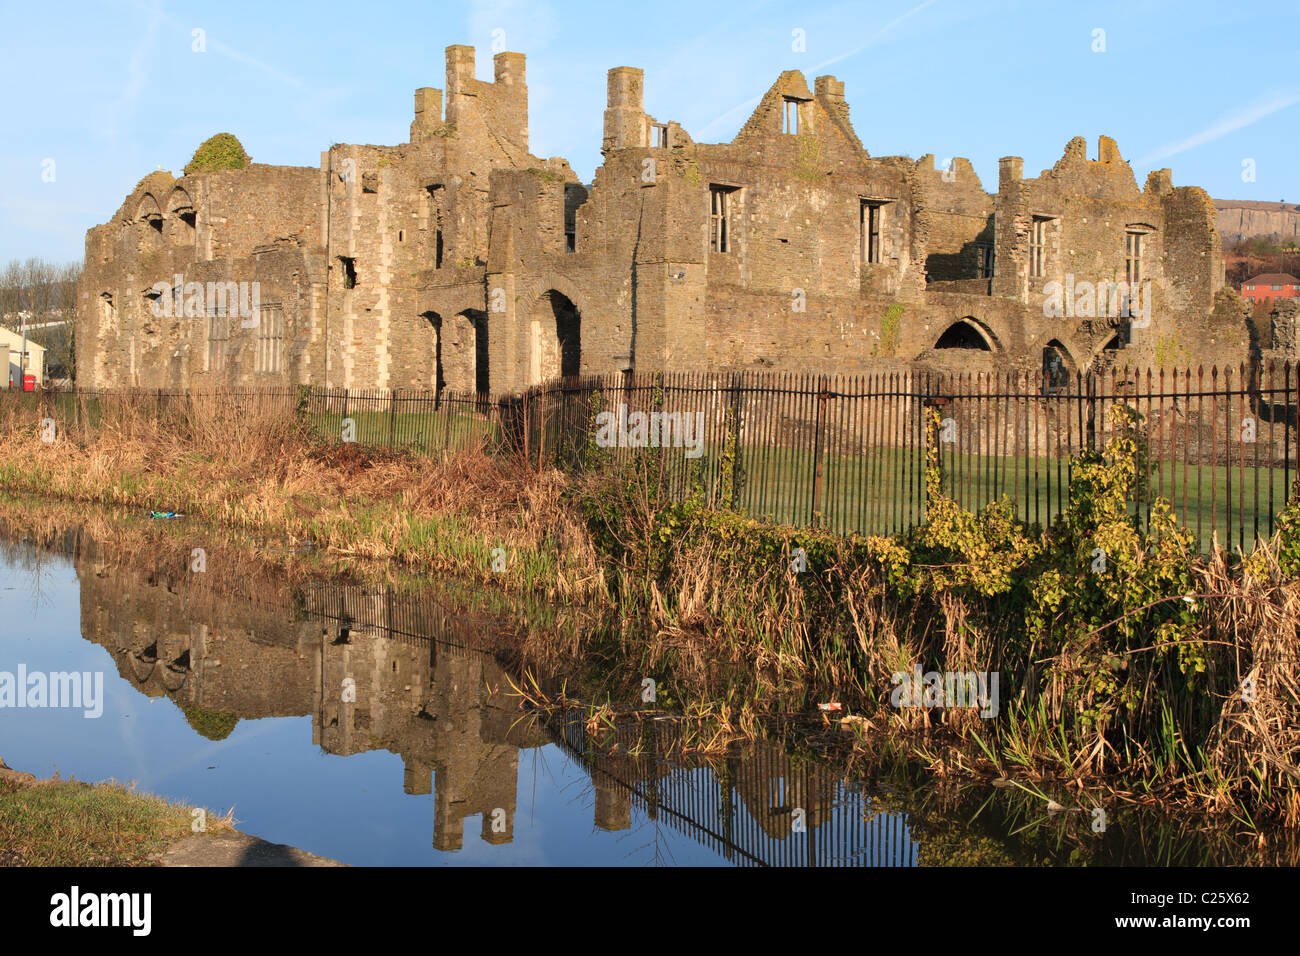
(363, 724)
(368, 723)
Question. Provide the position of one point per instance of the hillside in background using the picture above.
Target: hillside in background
(1239, 220)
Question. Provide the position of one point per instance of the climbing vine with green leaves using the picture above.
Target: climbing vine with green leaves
(1088, 598)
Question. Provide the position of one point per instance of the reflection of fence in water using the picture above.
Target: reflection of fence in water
(742, 807)
(410, 618)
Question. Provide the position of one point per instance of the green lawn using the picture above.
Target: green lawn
(420, 431)
(882, 490)
(1199, 494)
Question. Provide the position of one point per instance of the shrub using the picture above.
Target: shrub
(222, 151)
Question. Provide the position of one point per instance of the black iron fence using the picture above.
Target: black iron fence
(847, 453)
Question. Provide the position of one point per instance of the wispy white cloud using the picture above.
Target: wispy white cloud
(225, 50)
(153, 8)
(1228, 124)
(137, 67)
(724, 119)
(525, 25)
(877, 36)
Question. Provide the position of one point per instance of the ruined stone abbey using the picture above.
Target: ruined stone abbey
(461, 261)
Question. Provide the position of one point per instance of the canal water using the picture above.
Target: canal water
(364, 723)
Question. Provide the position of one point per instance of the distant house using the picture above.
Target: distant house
(1269, 286)
(11, 351)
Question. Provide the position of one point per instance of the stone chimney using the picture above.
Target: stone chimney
(1011, 169)
(625, 111)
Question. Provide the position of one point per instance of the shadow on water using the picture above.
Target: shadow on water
(413, 669)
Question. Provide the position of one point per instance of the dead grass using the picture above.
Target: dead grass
(256, 467)
(1255, 747)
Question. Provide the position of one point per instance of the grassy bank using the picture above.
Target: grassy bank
(1125, 660)
(261, 470)
(68, 823)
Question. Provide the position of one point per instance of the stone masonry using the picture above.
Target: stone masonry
(460, 261)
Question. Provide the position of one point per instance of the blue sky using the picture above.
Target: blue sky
(110, 91)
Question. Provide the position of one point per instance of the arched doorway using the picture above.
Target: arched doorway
(480, 381)
(964, 334)
(1058, 367)
(555, 339)
(427, 366)
(462, 353)
(181, 218)
(150, 214)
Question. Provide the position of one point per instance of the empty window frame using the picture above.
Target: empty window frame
(436, 194)
(1038, 245)
(984, 262)
(218, 339)
(659, 135)
(871, 214)
(270, 340)
(792, 116)
(348, 265)
(723, 202)
(1133, 242)
(573, 197)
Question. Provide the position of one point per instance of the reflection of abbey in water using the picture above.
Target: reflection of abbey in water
(223, 658)
(380, 671)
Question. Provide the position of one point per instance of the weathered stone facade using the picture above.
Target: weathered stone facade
(459, 260)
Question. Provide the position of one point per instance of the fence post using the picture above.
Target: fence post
(1091, 384)
(541, 431)
(733, 439)
(392, 415)
(822, 396)
(446, 432)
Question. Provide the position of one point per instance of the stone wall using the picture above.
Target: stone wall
(460, 261)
